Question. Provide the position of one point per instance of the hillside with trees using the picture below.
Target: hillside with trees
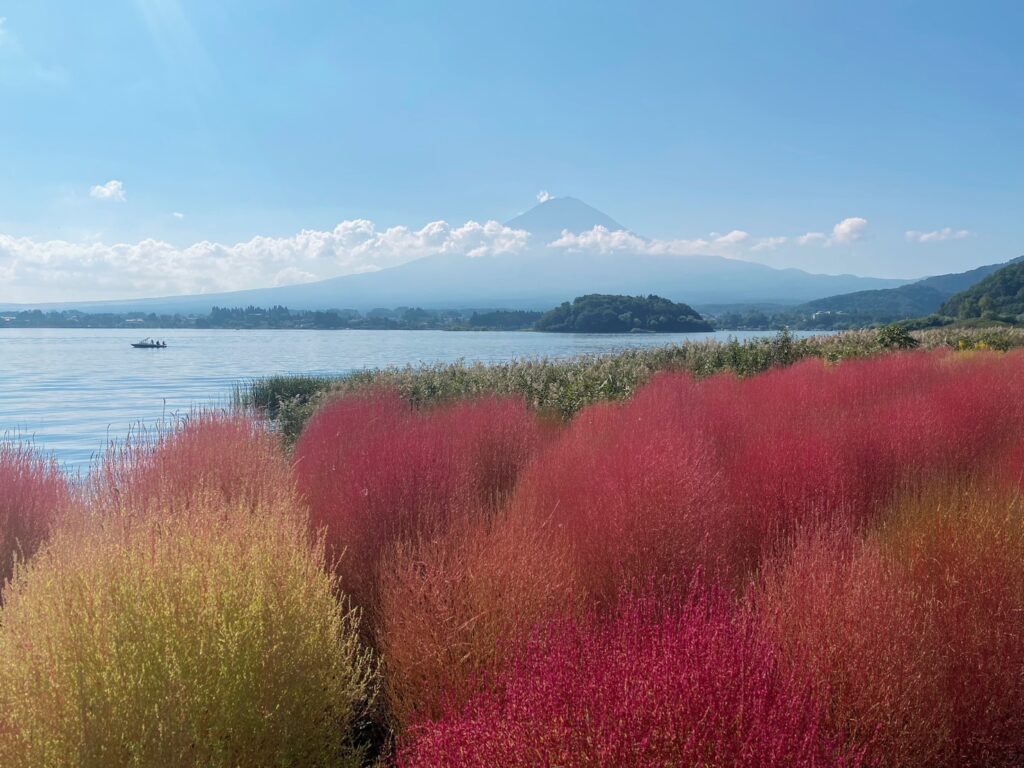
(999, 297)
(873, 307)
(602, 313)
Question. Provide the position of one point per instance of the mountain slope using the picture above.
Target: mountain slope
(538, 278)
(998, 296)
(925, 297)
(547, 221)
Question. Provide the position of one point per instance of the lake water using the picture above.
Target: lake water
(73, 390)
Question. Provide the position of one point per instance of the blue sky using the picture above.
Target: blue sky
(222, 122)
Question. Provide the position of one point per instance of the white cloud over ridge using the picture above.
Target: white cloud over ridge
(768, 243)
(113, 190)
(602, 240)
(543, 196)
(57, 270)
(847, 231)
(946, 233)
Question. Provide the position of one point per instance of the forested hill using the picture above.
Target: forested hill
(602, 313)
(1000, 296)
(925, 297)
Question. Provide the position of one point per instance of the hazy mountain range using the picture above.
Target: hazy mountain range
(539, 277)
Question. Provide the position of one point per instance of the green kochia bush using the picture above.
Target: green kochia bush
(210, 637)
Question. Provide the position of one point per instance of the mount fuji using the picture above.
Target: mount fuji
(537, 277)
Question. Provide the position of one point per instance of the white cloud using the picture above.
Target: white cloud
(947, 233)
(543, 196)
(768, 243)
(56, 270)
(112, 190)
(811, 238)
(602, 240)
(177, 215)
(849, 230)
(293, 276)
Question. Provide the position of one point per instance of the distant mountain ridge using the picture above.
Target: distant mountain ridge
(539, 277)
(918, 299)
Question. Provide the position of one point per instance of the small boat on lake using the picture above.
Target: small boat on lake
(149, 344)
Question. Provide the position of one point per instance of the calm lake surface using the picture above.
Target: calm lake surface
(73, 390)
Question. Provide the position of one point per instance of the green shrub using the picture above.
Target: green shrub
(211, 637)
(896, 337)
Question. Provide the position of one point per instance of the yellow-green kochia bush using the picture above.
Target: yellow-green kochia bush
(211, 637)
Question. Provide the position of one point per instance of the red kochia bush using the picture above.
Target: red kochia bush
(210, 458)
(635, 491)
(32, 492)
(691, 684)
(709, 474)
(915, 632)
(811, 441)
(374, 470)
(451, 605)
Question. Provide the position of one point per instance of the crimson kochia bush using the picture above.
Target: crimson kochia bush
(684, 683)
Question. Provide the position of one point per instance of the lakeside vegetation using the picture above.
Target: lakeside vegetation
(818, 561)
(562, 387)
(278, 318)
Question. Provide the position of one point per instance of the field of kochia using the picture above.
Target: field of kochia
(818, 565)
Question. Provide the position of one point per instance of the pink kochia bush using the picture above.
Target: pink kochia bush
(32, 493)
(811, 442)
(375, 471)
(710, 475)
(635, 491)
(210, 458)
(689, 683)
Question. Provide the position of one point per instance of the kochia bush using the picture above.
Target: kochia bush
(709, 475)
(218, 457)
(635, 493)
(916, 633)
(374, 471)
(32, 493)
(453, 605)
(203, 637)
(689, 684)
